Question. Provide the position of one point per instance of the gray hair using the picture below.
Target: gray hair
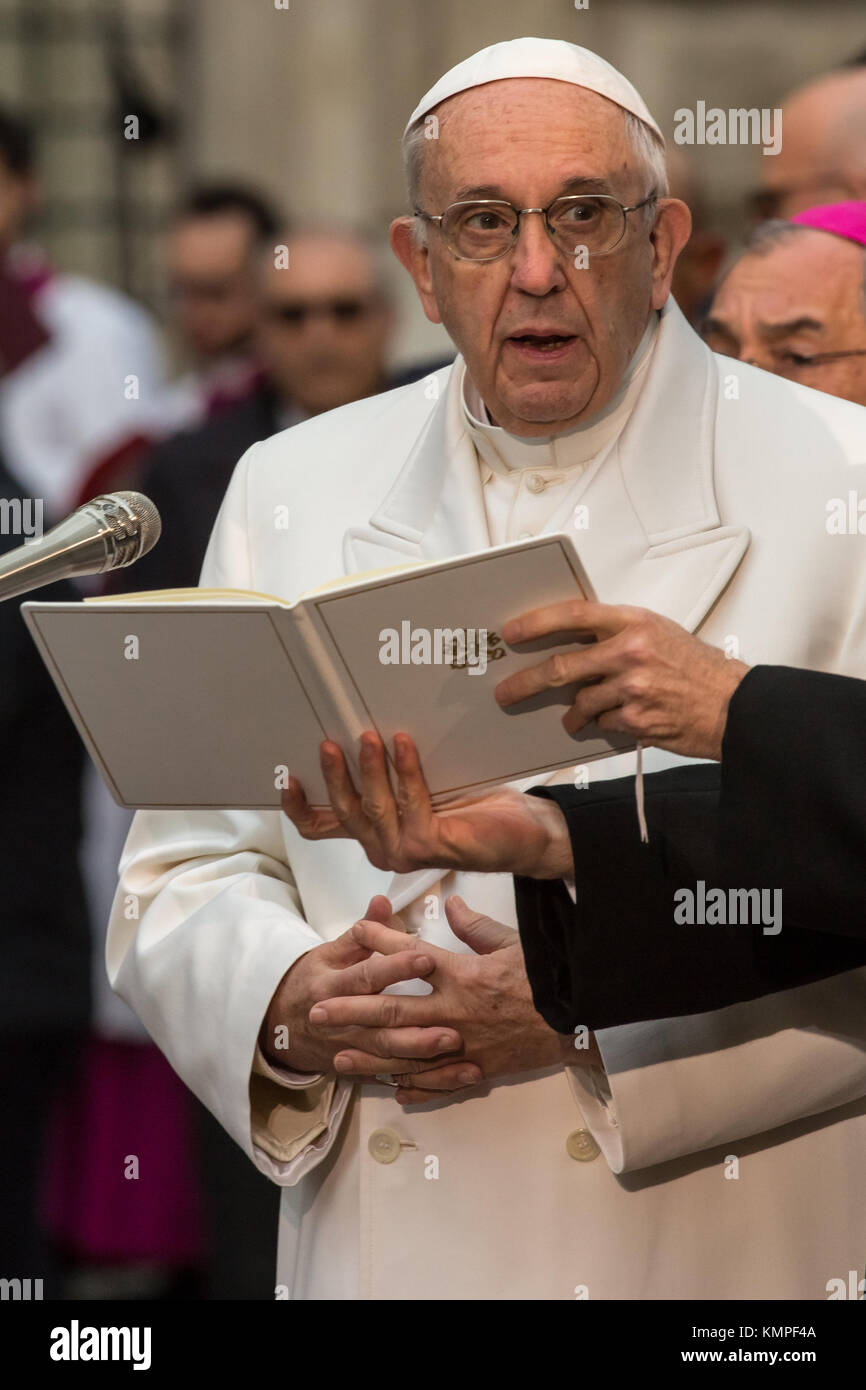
(647, 146)
(768, 235)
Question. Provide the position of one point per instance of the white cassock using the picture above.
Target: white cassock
(728, 1161)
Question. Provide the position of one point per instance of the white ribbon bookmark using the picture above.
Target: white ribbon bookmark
(639, 796)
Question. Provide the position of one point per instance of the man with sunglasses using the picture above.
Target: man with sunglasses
(325, 321)
(323, 326)
(794, 302)
(541, 235)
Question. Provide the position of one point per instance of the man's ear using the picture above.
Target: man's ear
(415, 258)
(673, 226)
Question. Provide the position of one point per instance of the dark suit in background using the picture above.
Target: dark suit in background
(186, 478)
(45, 953)
(785, 810)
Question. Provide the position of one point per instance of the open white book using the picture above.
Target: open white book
(189, 698)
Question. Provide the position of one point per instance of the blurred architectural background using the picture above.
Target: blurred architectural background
(309, 99)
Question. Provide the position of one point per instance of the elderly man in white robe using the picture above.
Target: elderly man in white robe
(718, 1156)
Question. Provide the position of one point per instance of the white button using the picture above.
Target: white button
(535, 482)
(384, 1145)
(581, 1145)
(526, 536)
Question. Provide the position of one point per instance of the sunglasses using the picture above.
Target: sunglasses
(296, 313)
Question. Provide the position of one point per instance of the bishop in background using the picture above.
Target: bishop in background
(718, 1155)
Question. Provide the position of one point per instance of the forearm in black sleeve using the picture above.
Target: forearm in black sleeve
(793, 803)
(619, 955)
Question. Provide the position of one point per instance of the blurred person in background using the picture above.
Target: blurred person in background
(324, 325)
(211, 252)
(823, 154)
(77, 396)
(325, 321)
(154, 1237)
(80, 372)
(45, 936)
(701, 258)
(794, 302)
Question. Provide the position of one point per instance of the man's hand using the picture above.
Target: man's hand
(503, 832)
(347, 967)
(485, 997)
(645, 676)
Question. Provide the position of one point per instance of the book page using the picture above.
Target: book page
(183, 708)
(392, 643)
(187, 596)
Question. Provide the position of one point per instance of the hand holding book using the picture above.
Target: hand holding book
(503, 831)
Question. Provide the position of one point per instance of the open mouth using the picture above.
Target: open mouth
(542, 342)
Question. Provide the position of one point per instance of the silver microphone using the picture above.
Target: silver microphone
(112, 531)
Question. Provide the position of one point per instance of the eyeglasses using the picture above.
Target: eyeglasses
(799, 359)
(295, 313)
(488, 228)
(784, 362)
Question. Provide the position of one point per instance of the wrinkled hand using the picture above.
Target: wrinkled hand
(502, 832)
(648, 676)
(343, 968)
(485, 997)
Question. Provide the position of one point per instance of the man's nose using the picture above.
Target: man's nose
(537, 266)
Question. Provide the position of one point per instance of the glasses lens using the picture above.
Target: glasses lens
(479, 231)
(596, 223)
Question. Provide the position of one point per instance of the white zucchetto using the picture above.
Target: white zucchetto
(553, 58)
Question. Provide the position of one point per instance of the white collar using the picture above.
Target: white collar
(505, 453)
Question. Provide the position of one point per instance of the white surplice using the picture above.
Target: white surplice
(709, 506)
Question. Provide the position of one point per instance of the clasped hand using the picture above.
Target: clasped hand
(477, 1023)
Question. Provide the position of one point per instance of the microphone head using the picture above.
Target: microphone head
(133, 523)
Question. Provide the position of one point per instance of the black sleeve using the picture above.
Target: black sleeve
(793, 804)
(619, 955)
